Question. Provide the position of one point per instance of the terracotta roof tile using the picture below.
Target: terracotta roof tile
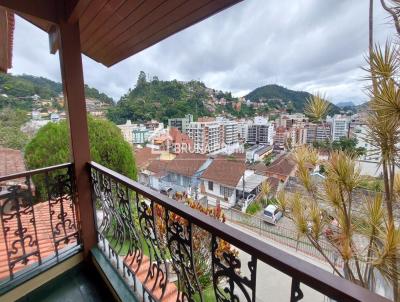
(186, 164)
(11, 162)
(225, 170)
(283, 166)
(144, 157)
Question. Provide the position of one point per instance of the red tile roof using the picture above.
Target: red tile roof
(11, 162)
(225, 170)
(283, 166)
(186, 164)
(144, 157)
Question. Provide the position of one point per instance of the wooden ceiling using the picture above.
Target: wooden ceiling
(113, 30)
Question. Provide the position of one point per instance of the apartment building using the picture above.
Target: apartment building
(360, 132)
(281, 136)
(318, 132)
(298, 135)
(260, 132)
(207, 137)
(181, 123)
(231, 133)
(243, 129)
(339, 125)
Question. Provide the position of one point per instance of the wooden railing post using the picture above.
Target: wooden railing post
(74, 96)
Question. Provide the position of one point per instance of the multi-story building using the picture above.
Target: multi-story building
(298, 135)
(260, 132)
(181, 123)
(207, 137)
(318, 132)
(243, 129)
(281, 136)
(231, 134)
(371, 153)
(289, 120)
(339, 125)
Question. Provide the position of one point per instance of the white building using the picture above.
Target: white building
(260, 132)
(127, 130)
(231, 133)
(371, 154)
(243, 129)
(207, 137)
(339, 126)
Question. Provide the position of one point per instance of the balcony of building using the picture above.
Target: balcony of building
(82, 232)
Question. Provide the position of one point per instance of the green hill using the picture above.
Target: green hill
(16, 91)
(160, 100)
(277, 97)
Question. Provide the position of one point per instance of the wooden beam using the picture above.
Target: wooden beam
(74, 94)
(5, 42)
(54, 39)
(43, 9)
(74, 9)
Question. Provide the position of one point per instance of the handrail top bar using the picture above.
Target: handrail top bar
(35, 171)
(301, 270)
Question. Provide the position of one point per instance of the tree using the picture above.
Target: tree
(142, 80)
(336, 223)
(50, 146)
(11, 135)
(384, 125)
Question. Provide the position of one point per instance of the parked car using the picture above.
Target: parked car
(272, 214)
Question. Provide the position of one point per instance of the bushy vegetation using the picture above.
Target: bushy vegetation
(50, 146)
(254, 208)
(11, 135)
(160, 100)
(16, 91)
(348, 145)
(294, 100)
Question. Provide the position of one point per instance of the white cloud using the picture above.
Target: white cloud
(304, 44)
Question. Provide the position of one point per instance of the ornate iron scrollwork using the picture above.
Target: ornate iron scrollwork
(61, 199)
(179, 240)
(228, 283)
(158, 270)
(19, 226)
(296, 293)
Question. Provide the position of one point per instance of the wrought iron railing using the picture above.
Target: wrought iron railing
(168, 251)
(38, 221)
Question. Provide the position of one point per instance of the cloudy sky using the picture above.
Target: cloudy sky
(312, 45)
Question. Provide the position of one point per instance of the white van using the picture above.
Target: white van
(272, 214)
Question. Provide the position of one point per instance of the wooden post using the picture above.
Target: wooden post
(74, 95)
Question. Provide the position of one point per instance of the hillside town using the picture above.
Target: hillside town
(230, 162)
(225, 162)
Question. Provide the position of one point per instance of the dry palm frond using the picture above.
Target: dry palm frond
(387, 252)
(373, 219)
(266, 188)
(384, 64)
(332, 194)
(317, 107)
(342, 170)
(383, 134)
(299, 215)
(316, 219)
(396, 185)
(283, 202)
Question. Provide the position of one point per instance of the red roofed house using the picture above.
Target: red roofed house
(183, 173)
(180, 142)
(219, 181)
(11, 162)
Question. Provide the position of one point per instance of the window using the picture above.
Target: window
(224, 191)
(210, 185)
